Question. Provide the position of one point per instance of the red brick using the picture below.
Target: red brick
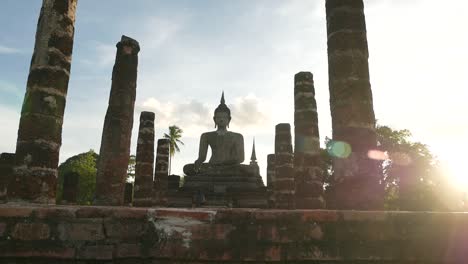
(2, 228)
(319, 215)
(211, 231)
(30, 231)
(54, 213)
(272, 253)
(130, 213)
(39, 251)
(98, 252)
(128, 250)
(122, 231)
(7, 211)
(90, 231)
(364, 215)
(93, 212)
(186, 213)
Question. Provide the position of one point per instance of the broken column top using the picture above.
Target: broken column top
(282, 127)
(128, 42)
(304, 75)
(145, 115)
(344, 3)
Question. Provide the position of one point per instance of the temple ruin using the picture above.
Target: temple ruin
(239, 219)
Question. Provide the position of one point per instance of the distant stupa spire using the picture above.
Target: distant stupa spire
(253, 158)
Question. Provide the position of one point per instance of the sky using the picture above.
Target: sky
(191, 51)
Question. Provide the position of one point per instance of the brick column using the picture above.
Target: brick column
(307, 165)
(161, 172)
(284, 187)
(144, 161)
(70, 187)
(7, 162)
(128, 193)
(356, 176)
(271, 180)
(40, 127)
(117, 131)
(271, 171)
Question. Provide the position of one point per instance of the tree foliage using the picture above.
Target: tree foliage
(412, 176)
(174, 136)
(131, 169)
(84, 164)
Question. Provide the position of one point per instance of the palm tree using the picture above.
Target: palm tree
(175, 133)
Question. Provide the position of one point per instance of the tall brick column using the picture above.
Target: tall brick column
(143, 193)
(307, 169)
(284, 187)
(161, 172)
(356, 176)
(7, 162)
(117, 131)
(40, 127)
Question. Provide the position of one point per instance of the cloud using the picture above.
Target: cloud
(248, 114)
(8, 50)
(192, 116)
(248, 111)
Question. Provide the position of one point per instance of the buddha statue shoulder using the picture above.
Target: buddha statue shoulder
(227, 147)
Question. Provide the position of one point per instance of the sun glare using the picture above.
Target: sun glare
(454, 164)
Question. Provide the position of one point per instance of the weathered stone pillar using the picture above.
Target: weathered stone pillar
(271, 180)
(284, 187)
(307, 165)
(7, 162)
(270, 171)
(161, 172)
(70, 187)
(128, 196)
(117, 131)
(40, 127)
(143, 193)
(356, 176)
(173, 182)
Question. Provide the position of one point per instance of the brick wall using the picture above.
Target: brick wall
(66, 234)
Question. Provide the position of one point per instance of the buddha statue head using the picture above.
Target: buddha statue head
(222, 115)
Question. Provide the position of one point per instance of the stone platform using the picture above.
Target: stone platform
(90, 234)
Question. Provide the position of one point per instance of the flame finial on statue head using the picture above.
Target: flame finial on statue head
(222, 107)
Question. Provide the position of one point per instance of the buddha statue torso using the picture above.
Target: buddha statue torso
(226, 148)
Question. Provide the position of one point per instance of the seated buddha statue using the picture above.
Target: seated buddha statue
(227, 147)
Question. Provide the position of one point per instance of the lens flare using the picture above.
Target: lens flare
(339, 149)
(377, 155)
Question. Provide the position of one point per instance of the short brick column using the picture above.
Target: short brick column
(284, 186)
(70, 187)
(7, 162)
(115, 143)
(143, 193)
(40, 126)
(307, 161)
(161, 172)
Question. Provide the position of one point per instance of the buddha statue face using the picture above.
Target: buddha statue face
(222, 119)
(222, 114)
